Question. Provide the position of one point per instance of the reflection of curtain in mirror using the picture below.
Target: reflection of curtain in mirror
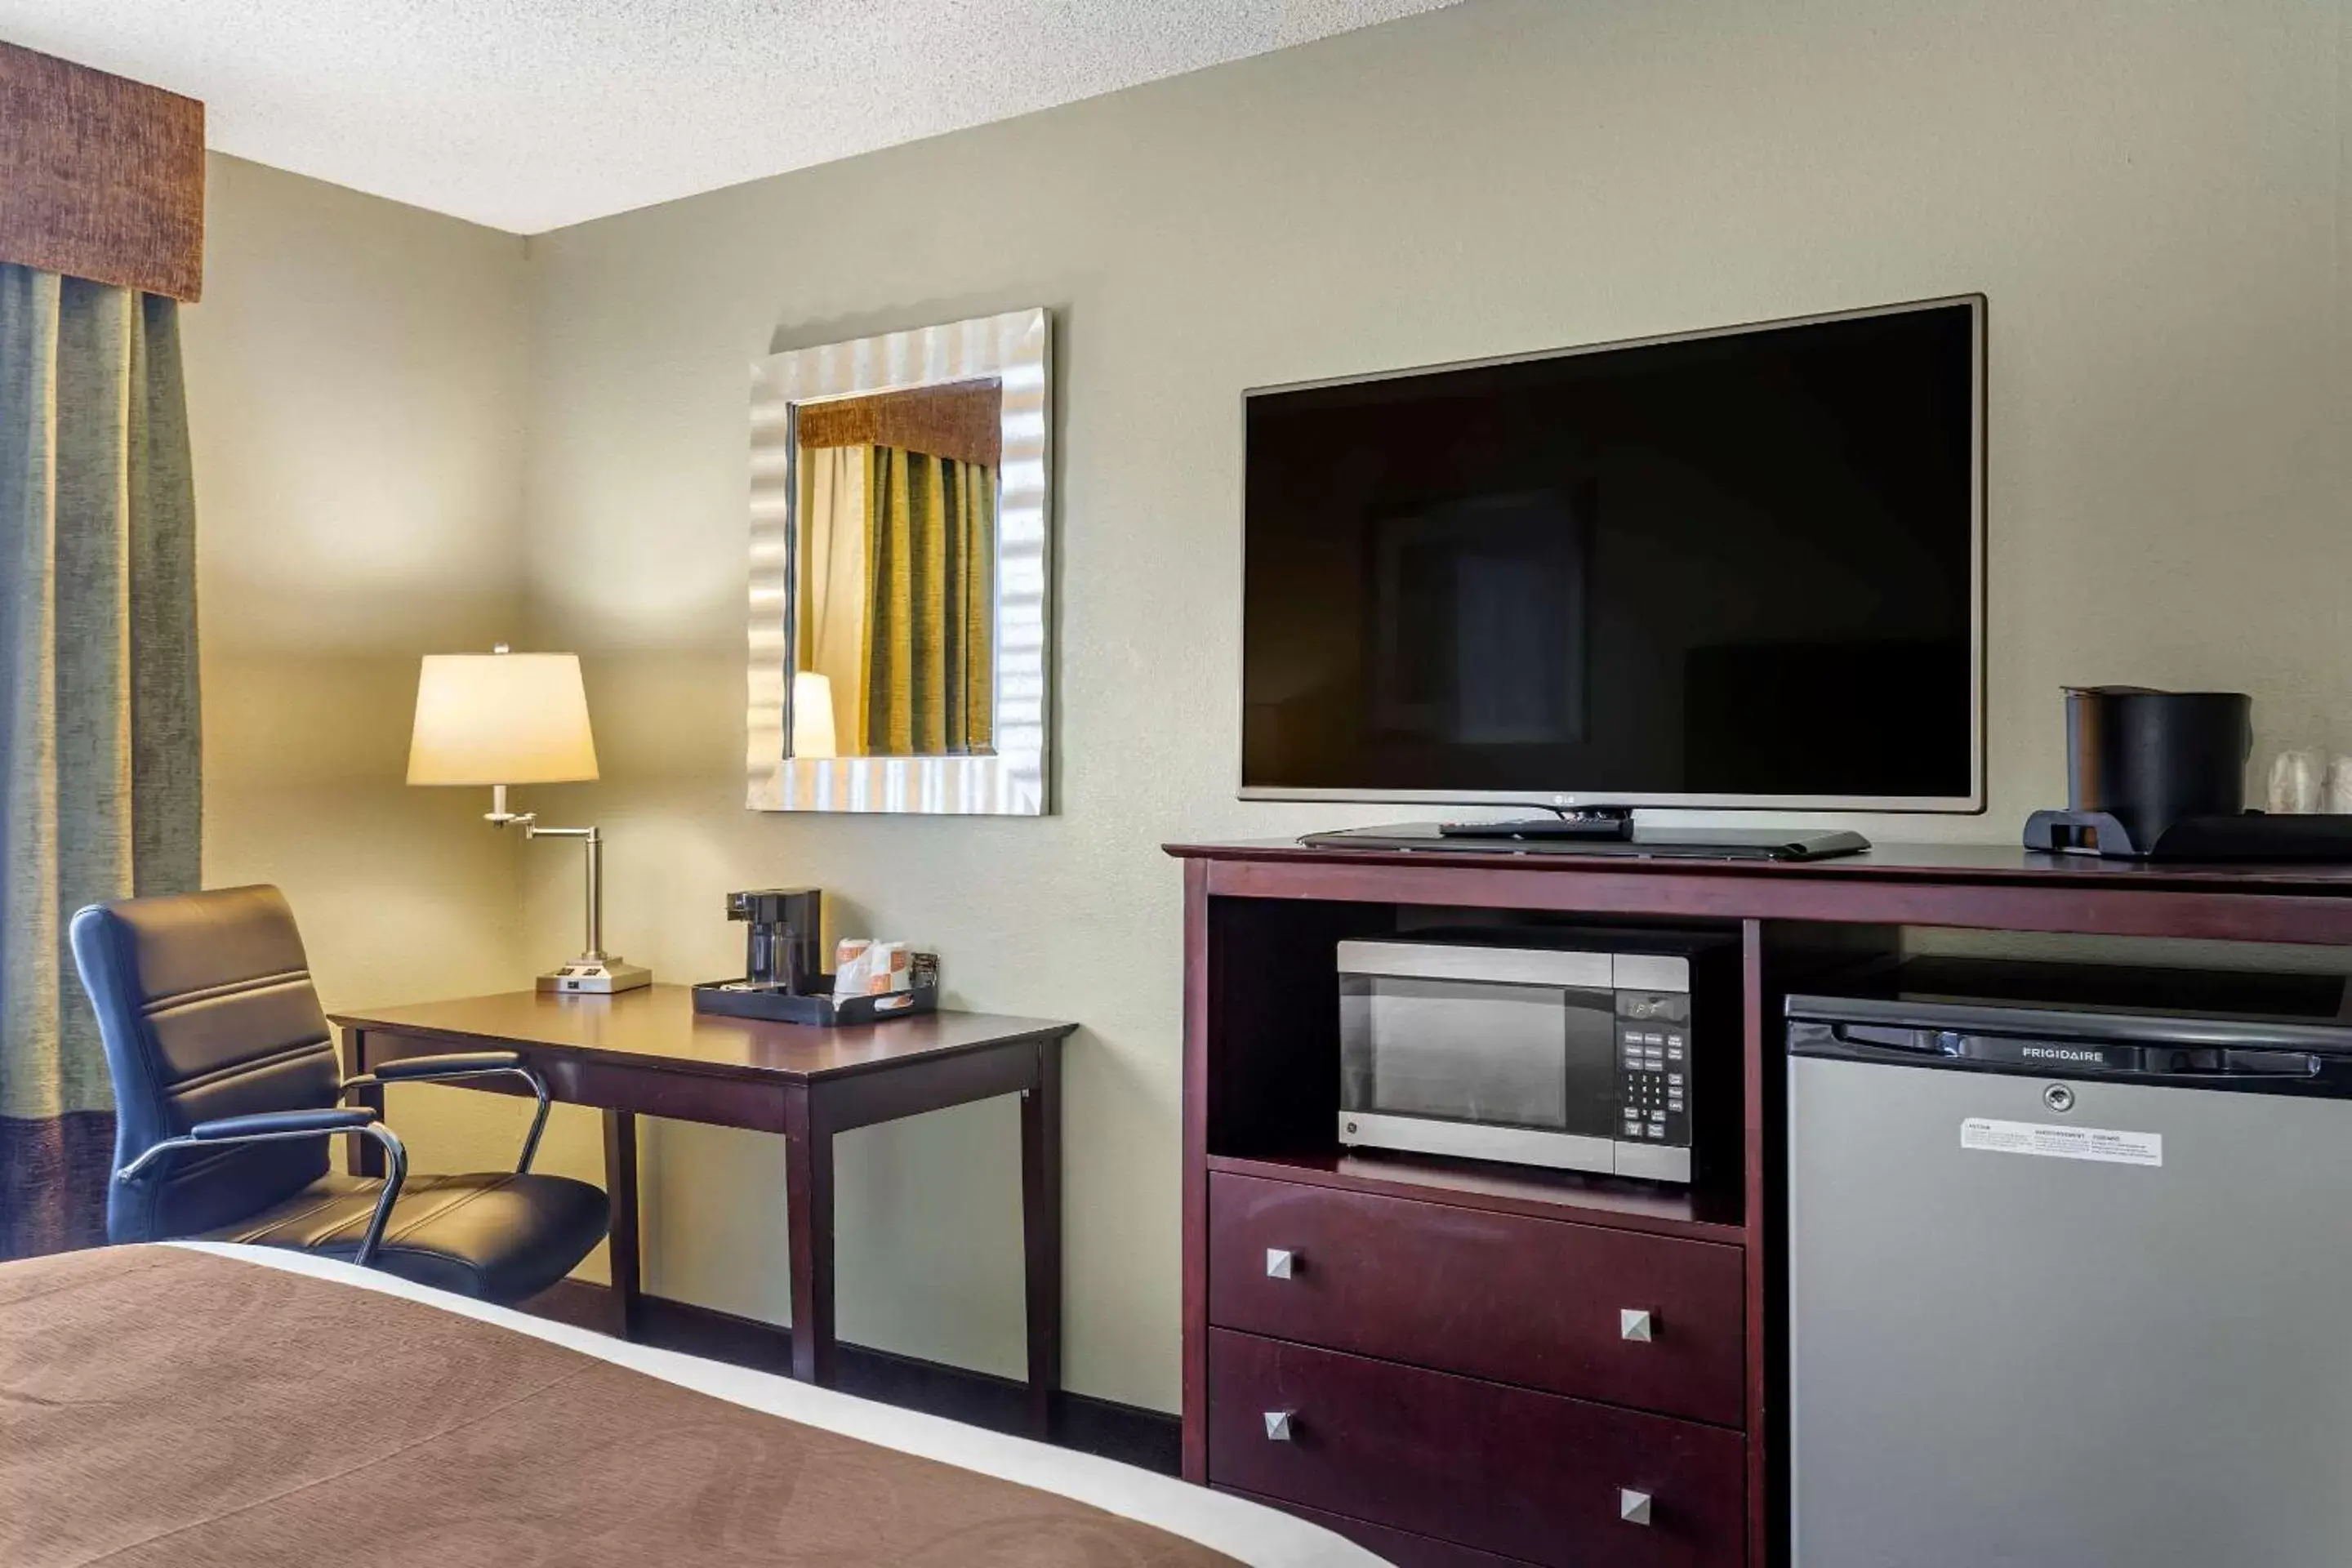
(931, 664)
(830, 615)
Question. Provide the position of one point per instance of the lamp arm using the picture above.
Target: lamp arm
(594, 843)
(596, 970)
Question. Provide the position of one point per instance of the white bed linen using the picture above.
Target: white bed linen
(1260, 1537)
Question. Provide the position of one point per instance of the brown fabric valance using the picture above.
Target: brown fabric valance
(101, 177)
(960, 421)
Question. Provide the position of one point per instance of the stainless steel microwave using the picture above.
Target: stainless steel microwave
(1579, 1058)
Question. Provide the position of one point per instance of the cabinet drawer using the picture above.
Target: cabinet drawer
(1532, 1301)
(1508, 1470)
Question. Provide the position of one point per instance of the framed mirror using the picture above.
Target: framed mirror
(901, 572)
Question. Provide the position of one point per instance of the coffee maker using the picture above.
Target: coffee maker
(2141, 762)
(2161, 776)
(784, 947)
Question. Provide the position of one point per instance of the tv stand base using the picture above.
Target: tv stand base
(1648, 843)
(1591, 822)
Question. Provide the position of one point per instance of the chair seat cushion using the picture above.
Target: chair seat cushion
(500, 1238)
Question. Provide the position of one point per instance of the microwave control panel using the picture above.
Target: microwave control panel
(1653, 1068)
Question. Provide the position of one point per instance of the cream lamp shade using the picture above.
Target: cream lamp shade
(501, 719)
(812, 732)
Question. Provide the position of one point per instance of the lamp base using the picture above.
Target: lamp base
(596, 976)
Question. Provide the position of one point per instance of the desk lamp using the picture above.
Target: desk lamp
(501, 719)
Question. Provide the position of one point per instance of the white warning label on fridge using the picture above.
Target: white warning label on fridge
(2103, 1145)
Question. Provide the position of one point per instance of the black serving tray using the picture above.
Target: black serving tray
(2249, 838)
(740, 999)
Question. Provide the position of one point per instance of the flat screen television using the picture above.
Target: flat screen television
(1731, 568)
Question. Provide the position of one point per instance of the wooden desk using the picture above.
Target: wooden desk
(649, 1053)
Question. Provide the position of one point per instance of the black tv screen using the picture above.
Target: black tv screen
(1736, 568)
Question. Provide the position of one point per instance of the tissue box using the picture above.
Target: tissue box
(865, 968)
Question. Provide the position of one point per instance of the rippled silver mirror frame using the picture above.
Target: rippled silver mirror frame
(1017, 351)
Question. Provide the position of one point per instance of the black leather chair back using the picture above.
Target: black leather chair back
(206, 1008)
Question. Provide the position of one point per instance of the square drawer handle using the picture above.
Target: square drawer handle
(1278, 1426)
(1280, 1262)
(1632, 1507)
(1635, 1323)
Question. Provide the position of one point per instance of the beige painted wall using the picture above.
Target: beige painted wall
(2151, 194)
(356, 375)
(415, 435)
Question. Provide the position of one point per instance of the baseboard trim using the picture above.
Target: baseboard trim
(1151, 1439)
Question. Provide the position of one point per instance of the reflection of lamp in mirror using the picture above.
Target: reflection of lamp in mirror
(501, 719)
(813, 734)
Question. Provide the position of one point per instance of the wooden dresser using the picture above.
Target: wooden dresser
(1461, 1364)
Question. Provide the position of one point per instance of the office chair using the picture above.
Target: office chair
(228, 1096)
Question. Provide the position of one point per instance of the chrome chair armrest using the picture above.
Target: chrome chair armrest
(446, 1064)
(458, 1066)
(278, 1127)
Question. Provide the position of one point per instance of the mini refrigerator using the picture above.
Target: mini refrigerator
(2070, 1271)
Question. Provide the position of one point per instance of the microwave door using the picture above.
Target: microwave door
(1480, 1055)
(1466, 1051)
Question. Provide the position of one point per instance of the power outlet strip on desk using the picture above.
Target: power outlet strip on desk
(1468, 1365)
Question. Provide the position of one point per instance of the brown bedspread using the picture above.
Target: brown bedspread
(165, 1406)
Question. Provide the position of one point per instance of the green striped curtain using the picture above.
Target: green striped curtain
(931, 661)
(99, 748)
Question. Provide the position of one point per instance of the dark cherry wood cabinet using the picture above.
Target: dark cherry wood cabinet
(1437, 1364)
(1498, 1468)
(1532, 1301)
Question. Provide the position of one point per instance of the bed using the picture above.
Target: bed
(202, 1404)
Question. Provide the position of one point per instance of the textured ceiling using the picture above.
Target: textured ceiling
(531, 114)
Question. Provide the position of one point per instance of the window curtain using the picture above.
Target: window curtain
(99, 740)
(930, 674)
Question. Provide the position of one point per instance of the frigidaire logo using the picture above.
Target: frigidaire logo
(2059, 1054)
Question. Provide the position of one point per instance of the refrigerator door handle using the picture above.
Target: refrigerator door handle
(2261, 1066)
(1895, 1037)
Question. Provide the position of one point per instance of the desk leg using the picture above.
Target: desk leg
(621, 1189)
(365, 1155)
(1041, 1232)
(808, 1201)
